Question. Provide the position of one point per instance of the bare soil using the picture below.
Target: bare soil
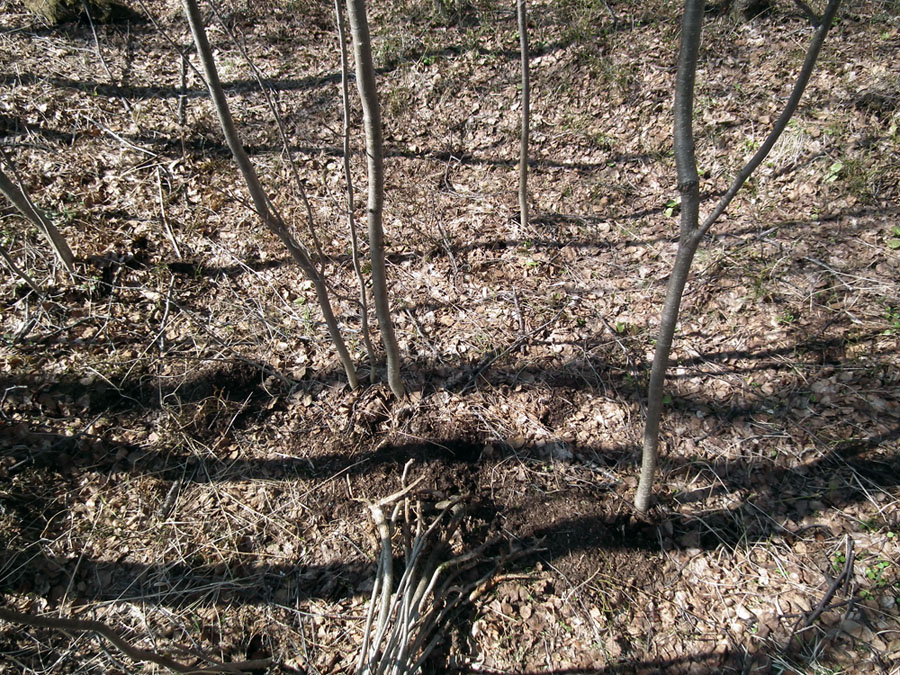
(180, 456)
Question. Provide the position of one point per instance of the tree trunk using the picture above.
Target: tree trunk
(351, 206)
(689, 186)
(260, 201)
(526, 114)
(365, 81)
(60, 11)
(692, 232)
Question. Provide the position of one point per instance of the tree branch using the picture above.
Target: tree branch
(809, 63)
(261, 202)
(132, 652)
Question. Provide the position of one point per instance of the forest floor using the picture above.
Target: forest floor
(181, 458)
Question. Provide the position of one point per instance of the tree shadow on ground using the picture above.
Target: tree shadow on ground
(764, 496)
(725, 662)
(586, 517)
(764, 508)
(141, 27)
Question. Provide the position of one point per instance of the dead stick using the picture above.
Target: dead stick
(835, 585)
(134, 653)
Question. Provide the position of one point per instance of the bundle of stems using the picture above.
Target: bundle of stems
(404, 625)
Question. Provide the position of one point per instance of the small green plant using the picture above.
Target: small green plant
(672, 207)
(837, 562)
(875, 573)
(871, 524)
(787, 318)
(893, 241)
(602, 141)
(834, 171)
(892, 315)
(834, 129)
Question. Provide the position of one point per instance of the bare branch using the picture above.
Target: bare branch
(351, 207)
(261, 202)
(812, 55)
(134, 653)
(19, 198)
(526, 114)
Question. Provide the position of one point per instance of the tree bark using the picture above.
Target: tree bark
(351, 206)
(692, 232)
(59, 11)
(260, 201)
(365, 82)
(526, 114)
(689, 186)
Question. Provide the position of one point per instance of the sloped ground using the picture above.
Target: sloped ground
(182, 460)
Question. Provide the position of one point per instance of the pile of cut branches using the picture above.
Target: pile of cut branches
(438, 580)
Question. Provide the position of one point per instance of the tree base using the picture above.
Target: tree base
(61, 11)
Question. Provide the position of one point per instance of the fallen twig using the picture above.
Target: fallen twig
(842, 579)
(134, 653)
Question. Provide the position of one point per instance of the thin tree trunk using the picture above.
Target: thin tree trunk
(261, 202)
(526, 114)
(689, 186)
(351, 207)
(272, 103)
(181, 111)
(365, 81)
(26, 207)
(692, 232)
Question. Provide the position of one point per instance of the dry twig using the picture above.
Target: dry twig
(134, 653)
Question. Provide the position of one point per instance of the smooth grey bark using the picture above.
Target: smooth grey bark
(365, 82)
(689, 187)
(351, 206)
(26, 207)
(526, 114)
(692, 232)
(264, 208)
